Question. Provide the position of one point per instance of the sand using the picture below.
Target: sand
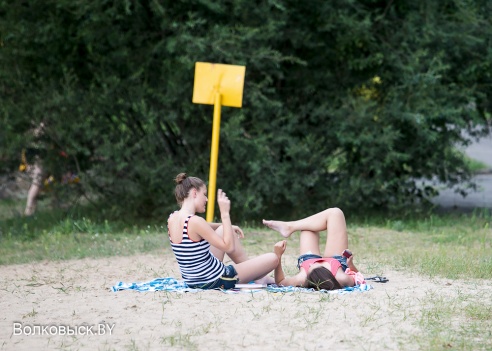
(76, 294)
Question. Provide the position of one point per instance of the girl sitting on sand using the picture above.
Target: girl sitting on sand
(199, 246)
(335, 269)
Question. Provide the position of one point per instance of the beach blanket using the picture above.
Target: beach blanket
(158, 284)
(174, 285)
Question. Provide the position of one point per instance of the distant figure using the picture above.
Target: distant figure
(32, 164)
(36, 174)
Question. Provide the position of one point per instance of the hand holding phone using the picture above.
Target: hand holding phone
(346, 253)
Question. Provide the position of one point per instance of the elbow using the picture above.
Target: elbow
(229, 246)
(280, 282)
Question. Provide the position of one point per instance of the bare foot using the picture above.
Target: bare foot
(29, 211)
(279, 226)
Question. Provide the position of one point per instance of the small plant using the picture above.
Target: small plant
(33, 313)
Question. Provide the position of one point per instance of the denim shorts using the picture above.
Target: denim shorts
(308, 256)
(228, 281)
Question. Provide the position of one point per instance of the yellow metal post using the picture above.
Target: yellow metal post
(214, 157)
(217, 84)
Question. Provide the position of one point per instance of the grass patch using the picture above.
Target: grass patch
(448, 325)
(11, 208)
(78, 233)
(56, 246)
(475, 166)
(447, 245)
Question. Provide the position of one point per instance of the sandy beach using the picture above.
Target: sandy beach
(77, 294)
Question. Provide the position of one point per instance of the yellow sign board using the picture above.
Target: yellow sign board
(212, 78)
(218, 85)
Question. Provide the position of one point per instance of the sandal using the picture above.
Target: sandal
(378, 279)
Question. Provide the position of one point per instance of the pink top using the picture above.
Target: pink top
(357, 276)
(333, 263)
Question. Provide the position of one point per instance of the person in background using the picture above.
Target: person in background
(31, 163)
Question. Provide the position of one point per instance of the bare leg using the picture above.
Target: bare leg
(309, 242)
(337, 239)
(34, 189)
(31, 199)
(238, 256)
(331, 220)
(284, 228)
(256, 268)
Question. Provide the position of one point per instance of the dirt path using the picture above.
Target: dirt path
(77, 293)
(482, 198)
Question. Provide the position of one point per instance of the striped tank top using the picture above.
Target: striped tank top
(196, 263)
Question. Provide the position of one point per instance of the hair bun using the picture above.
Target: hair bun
(180, 177)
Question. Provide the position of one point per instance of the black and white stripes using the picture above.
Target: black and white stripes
(196, 262)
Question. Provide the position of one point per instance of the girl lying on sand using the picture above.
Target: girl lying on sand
(335, 269)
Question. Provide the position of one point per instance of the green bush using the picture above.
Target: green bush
(345, 103)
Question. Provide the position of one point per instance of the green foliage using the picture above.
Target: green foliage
(345, 103)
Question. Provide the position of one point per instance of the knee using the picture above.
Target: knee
(269, 260)
(334, 211)
(308, 232)
(220, 231)
(273, 259)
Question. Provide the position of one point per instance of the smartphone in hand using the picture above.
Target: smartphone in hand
(346, 253)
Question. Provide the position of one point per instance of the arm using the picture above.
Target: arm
(300, 279)
(280, 278)
(344, 279)
(350, 264)
(205, 230)
(235, 228)
(352, 276)
(225, 206)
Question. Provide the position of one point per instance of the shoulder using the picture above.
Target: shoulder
(197, 221)
(197, 226)
(343, 278)
(174, 227)
(172, 214)
(301, 278)
(173, 218)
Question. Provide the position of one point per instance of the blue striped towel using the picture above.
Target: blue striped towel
(171, 284)
(158, 284)
(347, 289)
